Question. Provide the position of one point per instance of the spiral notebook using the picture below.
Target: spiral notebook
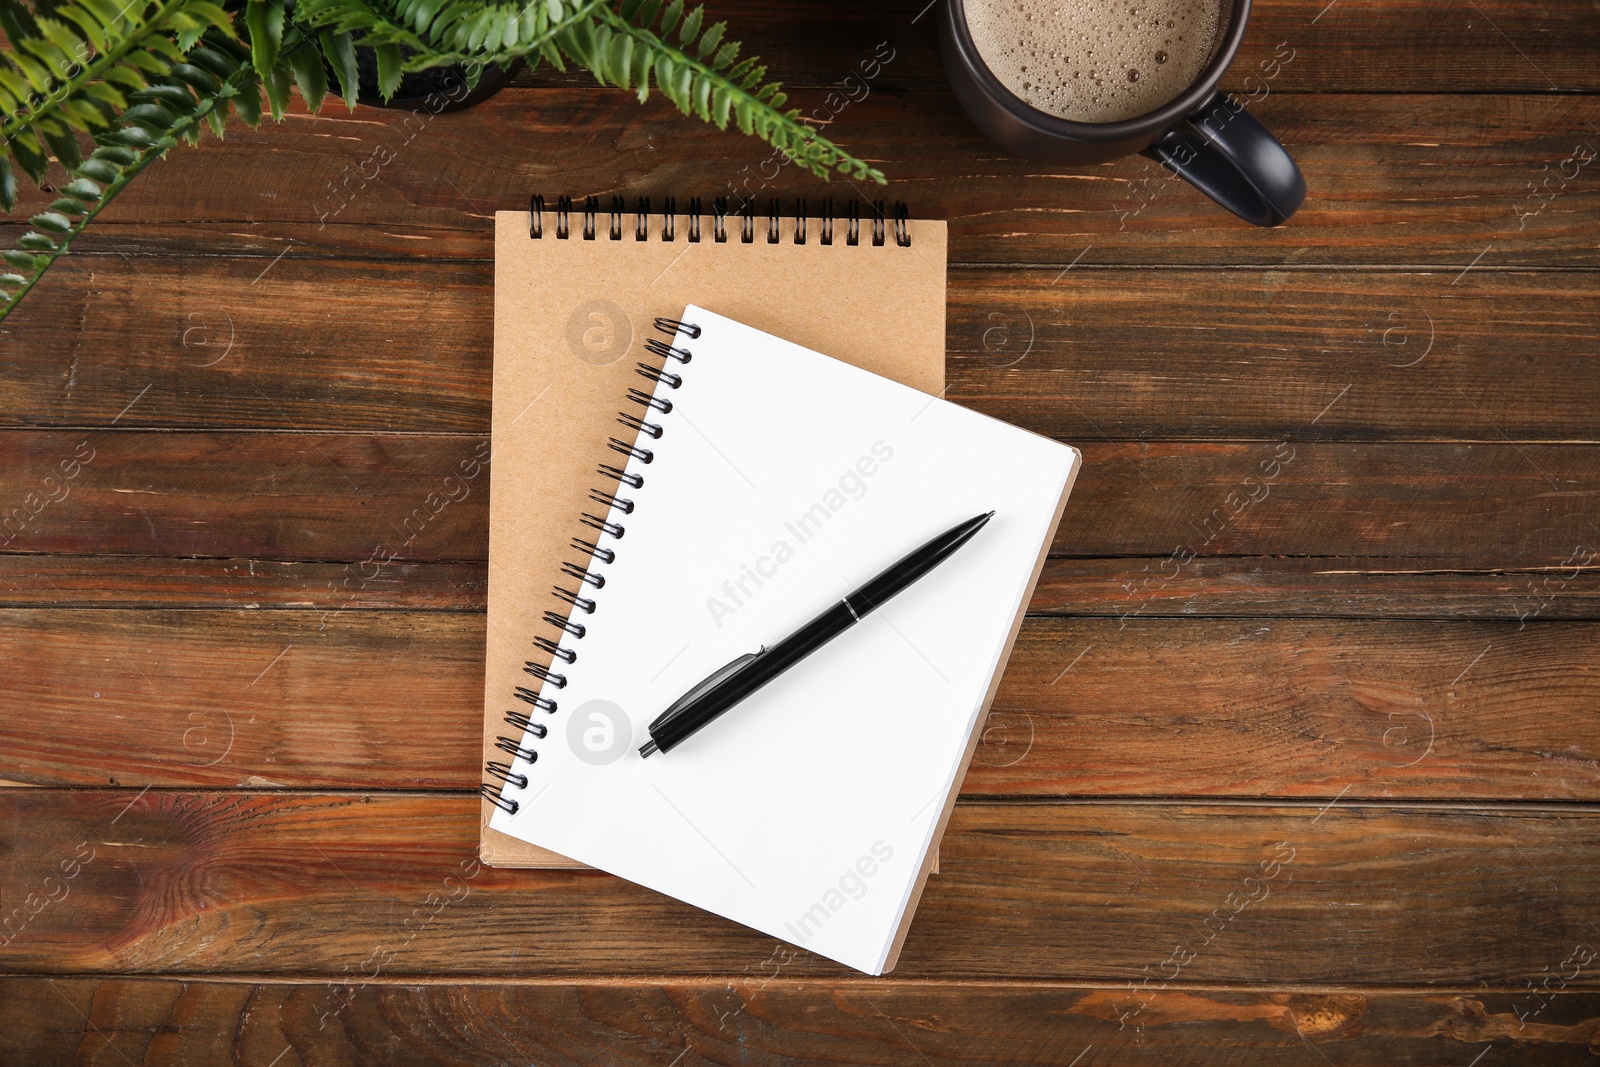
(576, 287)
(750, 483)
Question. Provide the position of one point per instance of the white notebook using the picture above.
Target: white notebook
(781, 480)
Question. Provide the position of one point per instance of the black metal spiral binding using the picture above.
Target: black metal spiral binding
(719, 220)
(502, 776)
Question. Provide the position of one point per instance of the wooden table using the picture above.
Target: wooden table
(1296, 762)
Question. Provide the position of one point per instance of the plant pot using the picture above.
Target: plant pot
(437, 90)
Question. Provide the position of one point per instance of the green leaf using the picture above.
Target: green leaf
(691, 26)
(34, 163)
(150, 116)
(388, 69)
(264, 20)
(214, 63)
(641, 72)
(132, 136)
(37, 74)
(12, 279)
(702, 98)
(249, 104)
(8, 185)
(217, 119)
(60, 35)
(116, 155)
(94, 29)
(83, 189)
(478, 31)
(65, 146)
(213, 14)
(277, 87)
(68, 207)
(175, 97)
(189, 30)
(19, 258)
(98, 170)
(622, 60)
(710, 39)
(341, 53)
(128, 77)
(53, 221)
(107, 93)
(149, 63)
(425, 11)
(309, 76)
(670, 17)
(12, 84)
(37, 241)
(192, 75)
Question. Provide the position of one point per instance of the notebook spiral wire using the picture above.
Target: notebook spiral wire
(589, 228)
(599, 529)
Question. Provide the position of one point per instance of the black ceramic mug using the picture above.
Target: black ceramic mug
(1204, 136)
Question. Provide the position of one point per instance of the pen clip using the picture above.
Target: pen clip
(706, 684)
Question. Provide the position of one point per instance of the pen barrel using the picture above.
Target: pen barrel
(746, 681)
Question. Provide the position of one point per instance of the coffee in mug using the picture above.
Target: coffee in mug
(1092, 61)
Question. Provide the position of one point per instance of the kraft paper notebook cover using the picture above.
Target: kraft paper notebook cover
(764, 482)
(571, 318)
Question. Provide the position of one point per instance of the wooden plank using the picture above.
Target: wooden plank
(766, 1018)
(1091, 354)
(363, 498)
(198, 582)
(325, 885)
(1235, 586)
(1385, 46)
(1398, 180)
(1088, 707)
(1303, 587)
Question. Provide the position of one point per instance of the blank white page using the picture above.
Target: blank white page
(782, 480)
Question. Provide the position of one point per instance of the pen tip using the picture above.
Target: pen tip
(646, 749)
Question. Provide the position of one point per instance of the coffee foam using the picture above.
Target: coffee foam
(1092, 61)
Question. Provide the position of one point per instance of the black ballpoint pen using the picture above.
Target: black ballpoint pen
(737, 680)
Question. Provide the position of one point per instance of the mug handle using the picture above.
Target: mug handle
(1225, 153)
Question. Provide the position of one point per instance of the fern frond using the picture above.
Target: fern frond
(634, 44)
(699, 74)
(71, 71)
(440, 33)
(198, 92)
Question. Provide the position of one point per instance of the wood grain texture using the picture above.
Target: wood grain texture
(1343, 894)
(1080, 356)
(343, 497)
(1385, 47)
(1088, 707)
(230, 584)
(1235, 586)
(1368, 669)
(763, 1017)
(1394, 180)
